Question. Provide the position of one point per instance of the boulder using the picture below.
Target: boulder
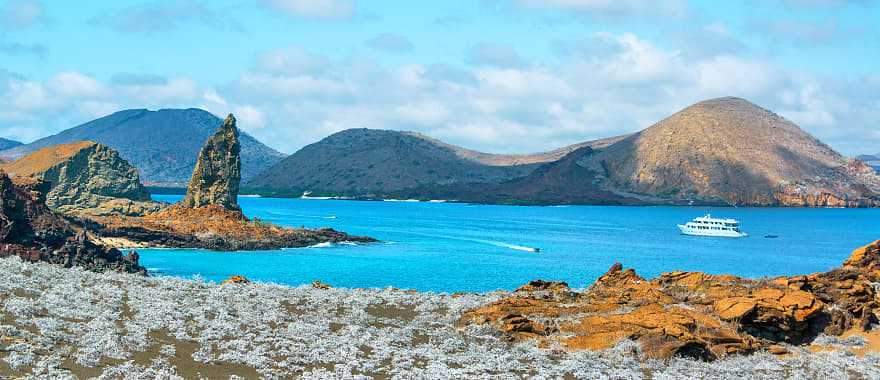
(236, 279)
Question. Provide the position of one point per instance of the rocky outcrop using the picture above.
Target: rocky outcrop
(85, 178)
(217, 175)
(691, 313)
(31, 231)
(209, 216)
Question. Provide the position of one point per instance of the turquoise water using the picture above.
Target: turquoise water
(460, 247)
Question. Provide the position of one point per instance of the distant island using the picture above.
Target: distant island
(725, 151)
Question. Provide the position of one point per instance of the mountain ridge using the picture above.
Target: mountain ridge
(8, 144)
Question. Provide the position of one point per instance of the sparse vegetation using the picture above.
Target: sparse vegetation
(57, 323)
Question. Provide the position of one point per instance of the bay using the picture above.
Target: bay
(452, 247)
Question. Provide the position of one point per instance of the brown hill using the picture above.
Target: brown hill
(381, 162)
(85, 177)
(731, 151)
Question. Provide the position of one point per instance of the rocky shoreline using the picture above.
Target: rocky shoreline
(74, 323)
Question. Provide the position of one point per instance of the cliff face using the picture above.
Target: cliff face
(86, 178)
(217, 175)
(162, 144)
(31, 231)
(730, 151)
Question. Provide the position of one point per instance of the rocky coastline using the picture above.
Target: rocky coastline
(692, 314)
(209, 216)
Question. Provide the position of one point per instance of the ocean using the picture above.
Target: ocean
(452, 247)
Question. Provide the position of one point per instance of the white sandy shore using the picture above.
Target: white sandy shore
(57, 323)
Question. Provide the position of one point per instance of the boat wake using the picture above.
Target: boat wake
(472, 240)
(514, 246)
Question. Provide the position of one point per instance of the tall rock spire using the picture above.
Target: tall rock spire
(217, 175)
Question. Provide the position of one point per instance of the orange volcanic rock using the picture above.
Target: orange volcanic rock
(236, 280)
(690, 313)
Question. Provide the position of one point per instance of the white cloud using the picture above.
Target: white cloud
(618, 83)
(73, 84)
(314, 9)
(250, 118)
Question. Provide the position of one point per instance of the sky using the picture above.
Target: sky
(503, 76)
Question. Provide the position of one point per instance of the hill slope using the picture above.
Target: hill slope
(7, 143)
(162, 144)
(731, 151)
(381, 162)
(563, 181)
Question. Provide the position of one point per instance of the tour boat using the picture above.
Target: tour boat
(709, 226)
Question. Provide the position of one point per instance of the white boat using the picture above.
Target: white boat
(709, 226)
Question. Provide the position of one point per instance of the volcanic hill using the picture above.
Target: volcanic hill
(358, 162)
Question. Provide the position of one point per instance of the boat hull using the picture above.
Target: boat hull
(711, 233)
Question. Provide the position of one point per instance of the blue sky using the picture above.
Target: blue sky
(494, 75)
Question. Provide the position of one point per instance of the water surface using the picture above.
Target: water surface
(461, 247)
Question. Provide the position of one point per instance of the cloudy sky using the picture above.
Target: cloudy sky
(493, 75)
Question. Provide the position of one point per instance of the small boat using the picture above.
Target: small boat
(771, 236)
(709, 226)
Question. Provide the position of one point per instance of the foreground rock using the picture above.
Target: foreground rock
(31, 231)
(690, 313)
(85, 178)
(58, 323)
(209, 216)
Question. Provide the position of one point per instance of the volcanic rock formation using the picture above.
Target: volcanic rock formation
(692, 313)
(217, 175)
(209, 215)
(85, 178)
(31, 231)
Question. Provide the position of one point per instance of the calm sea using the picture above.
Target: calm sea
(461, 247)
